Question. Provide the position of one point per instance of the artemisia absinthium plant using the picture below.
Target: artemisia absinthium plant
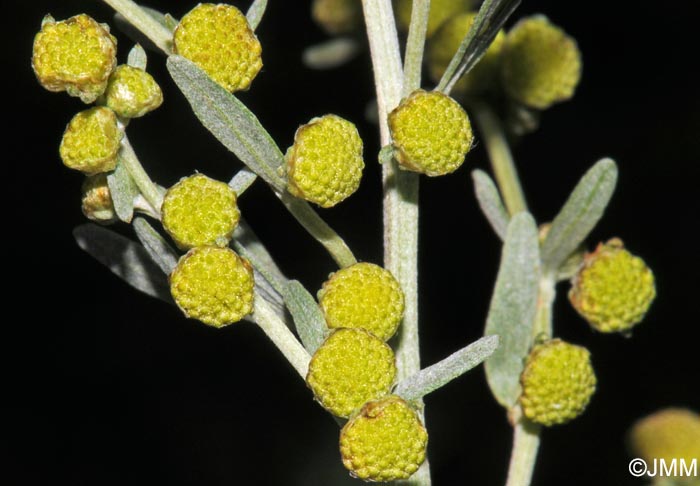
(218, 272)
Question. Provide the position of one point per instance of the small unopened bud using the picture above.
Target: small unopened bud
(97, 204)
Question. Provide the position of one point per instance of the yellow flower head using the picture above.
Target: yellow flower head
(213, 285)
(386, 441)
(337, 16)
(444, 44)
(132, 92)
(364, 296)
(672, 433)
(351, 367)
(200, 211)
(325, 163)
(76, 55)
(541, 64)
(218, 39)
(613, 288)
(557, 383)
(91, 141)
(431, 132)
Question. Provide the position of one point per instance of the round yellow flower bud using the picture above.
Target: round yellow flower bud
(218, 39)
(200, 211)
(672, 433)
(613, 288)
(541, 64)
(351, 367)
(431, 132)
(440, 11)
(386, 441)
(325, 163)
(364, 296)
(132, 92)
(213, 285)
(337, 16)
(444, 44)
(91, 141)
(97, 204)
(75, 55)
(558, 382)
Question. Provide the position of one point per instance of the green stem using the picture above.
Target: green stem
(400, 192)
(131, 162)
(415, 44)
(145, 23)
(501, 158)
(282, 337)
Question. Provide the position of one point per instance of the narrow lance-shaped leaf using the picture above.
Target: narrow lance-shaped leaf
(438, 375)
(125, 258)
(331, 53)
(308, 317)
(513, 306)
(123, 191)
(580, 214)
(255, 13)
(160, 251)
(490, 202)
(490, 19)
(234, 125)
(243, 179)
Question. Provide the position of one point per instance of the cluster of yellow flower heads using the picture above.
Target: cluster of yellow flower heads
(352, 373)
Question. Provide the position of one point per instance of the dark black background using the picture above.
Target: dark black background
(105, 386)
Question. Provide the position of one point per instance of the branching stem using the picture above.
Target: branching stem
(144, 22)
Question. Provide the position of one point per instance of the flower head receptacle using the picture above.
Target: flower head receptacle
(91, 141)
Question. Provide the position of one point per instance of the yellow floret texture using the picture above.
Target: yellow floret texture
(672, 433)
(97, 204)
(218, 39)
(613, 288)
(431, 132)
(75, 55)
(350, 368)
(337, 16)
(91, 141)
(386, 441)
(442, 46)
(132, 92)
(325, 163)
(200, 211)
(557, 383)
(213, 285)
(364, 296)
(440, 11)
(541, 64)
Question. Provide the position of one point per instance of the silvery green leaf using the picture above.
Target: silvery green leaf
(268, 292)
(236, 127)
(255, 13)
(166, 20)
(331, 53)
(386, 154)
(137, 57)
(243, 179)
(490, 19)
(490, 202)
(159, 250)
(123, 191)
(513, 306)
(308, 318)
(170, 22)
(438, 375)
(580, 213)
(125, 258)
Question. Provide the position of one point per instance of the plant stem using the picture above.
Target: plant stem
(526, 435)
(400, 193)
(526, 442)
(131, 162)
(281, 336)
(145, 23)
(413, 60)
(501, 158)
